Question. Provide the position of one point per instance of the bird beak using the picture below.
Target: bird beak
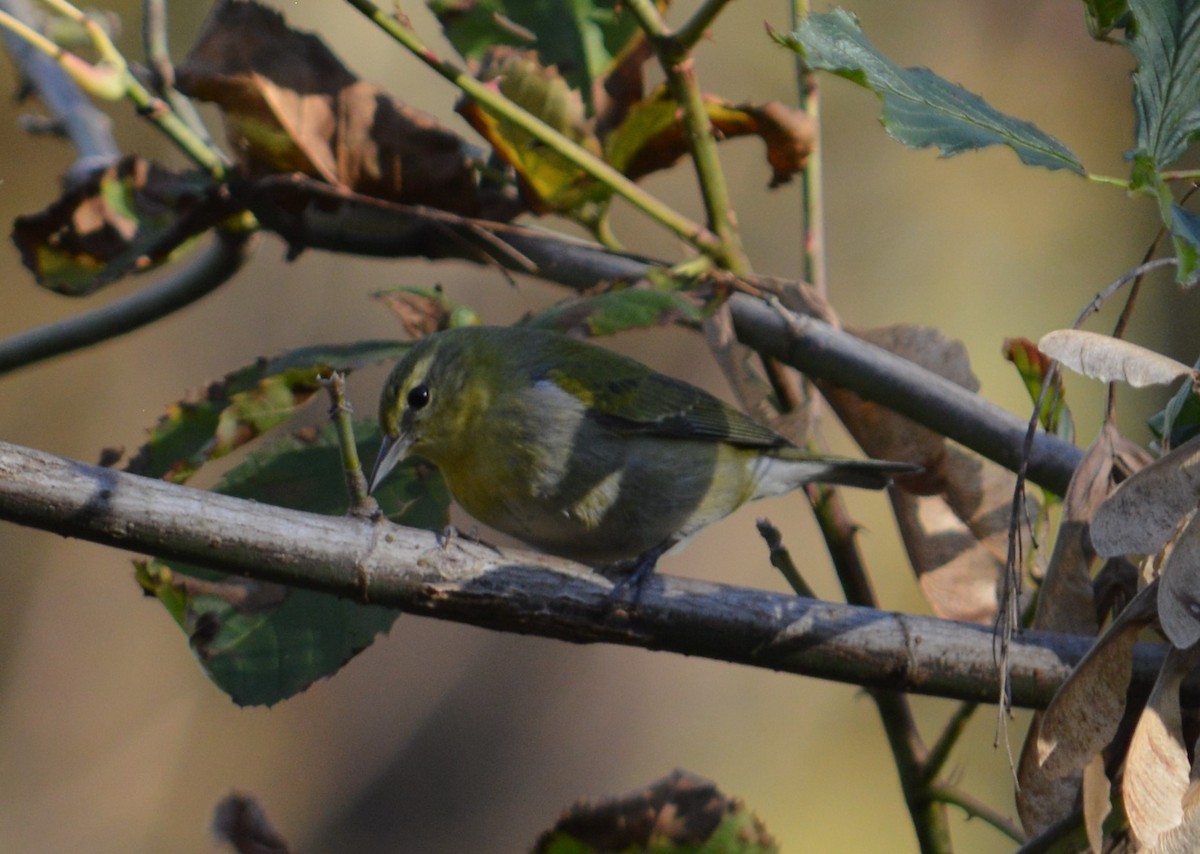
(391, 452)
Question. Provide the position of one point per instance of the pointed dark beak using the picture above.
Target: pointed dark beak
(391, 452)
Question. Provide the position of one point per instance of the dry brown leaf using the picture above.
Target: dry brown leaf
(1065, 602)
(1083, 715)
(1080, 721)
(957, 542)
(1179, 586)
(290, 105)
(1109, 359)
(956, 529)
(1042, 800)
(1157, 770)
(1184, 839)
(1097, 801)
(1143, 513)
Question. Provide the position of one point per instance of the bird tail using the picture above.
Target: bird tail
(800, 468)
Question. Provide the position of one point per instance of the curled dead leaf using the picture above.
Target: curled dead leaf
(290, 105)
(1179, 588)
(1143, 513)
(1157, 769)
(1109, 359)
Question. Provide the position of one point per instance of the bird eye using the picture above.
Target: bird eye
(418, 397)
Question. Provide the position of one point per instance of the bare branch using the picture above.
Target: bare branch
(184, 284)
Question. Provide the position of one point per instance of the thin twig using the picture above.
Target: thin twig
(781, 559)
(975, 808)
(340, 411)
(940, 752)
(158, 55)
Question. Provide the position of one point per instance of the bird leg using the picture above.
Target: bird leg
(640, 569)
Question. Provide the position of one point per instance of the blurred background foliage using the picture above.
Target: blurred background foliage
(442, 737)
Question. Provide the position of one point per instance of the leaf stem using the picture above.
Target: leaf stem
(494, 102)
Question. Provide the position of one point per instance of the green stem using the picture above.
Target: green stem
(1110, 181)
(677, 63)
(158, 55)
(811, 186)
(502, 107)
(1179, 175)
(361, 502)
(118, 82)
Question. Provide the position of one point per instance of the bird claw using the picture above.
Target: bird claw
(639, 571)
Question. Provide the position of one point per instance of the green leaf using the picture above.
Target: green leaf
(1033, 365)
(1104, 16)
(1166, 99)
(245, 404)
(584, 39)
(1179, 421)
(259, 642)
(920, 109)
(553, 182)
(1166, 84)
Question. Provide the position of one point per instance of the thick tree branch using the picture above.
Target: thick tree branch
(530, 593)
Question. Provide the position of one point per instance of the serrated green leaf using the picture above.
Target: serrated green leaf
(245, 404)
(1166, 98)
(584, 39)
(262, 643)
(920, 109)
(1166, 83)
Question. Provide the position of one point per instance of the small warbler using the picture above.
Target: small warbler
(584, 453)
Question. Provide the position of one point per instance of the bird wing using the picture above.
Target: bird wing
(650, 404)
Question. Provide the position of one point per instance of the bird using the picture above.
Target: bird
(582, 452)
